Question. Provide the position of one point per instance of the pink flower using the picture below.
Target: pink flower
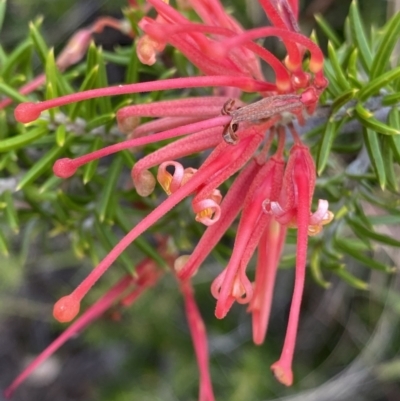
(271, 193)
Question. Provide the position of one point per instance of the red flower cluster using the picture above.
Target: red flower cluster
(272, 193)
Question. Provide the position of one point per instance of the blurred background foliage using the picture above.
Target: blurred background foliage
(349, 333)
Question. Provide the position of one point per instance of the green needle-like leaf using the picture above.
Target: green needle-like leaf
(38, 41)
(368, 120)
(385, 49)
(19, 53)
(374, 86)
(350, 279)
(394, 121)
(109, 239)
(337, 68)
(3, 244)
(328, 31)
(375, 155)
(61, 135)
(42, 165)
(141, 243)
(10, 212)
(332, 128)
(359, 36)
(51, 75)
(368, 232)
(90, 169)
(340, 101)
(12, 93)
(108, 190)
(88, 83)
(344, 246)
(20, 141)
(388, 160)
(3, 5)
(315, 268)
(100, 121)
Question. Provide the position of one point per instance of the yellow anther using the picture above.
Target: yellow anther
(165, 181)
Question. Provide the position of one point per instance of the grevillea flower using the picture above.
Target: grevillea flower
(272, 193)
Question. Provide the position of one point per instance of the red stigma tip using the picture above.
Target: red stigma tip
(64, 168)
(66, 308)
(26, 112)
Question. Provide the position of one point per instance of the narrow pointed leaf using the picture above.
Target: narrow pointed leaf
(100, 121)
(69, 203)
(386, 47)
(315, 268)
(349, 278)
(104, 102)
(22, 140)
(109, 189)
(368, 120)
(373, 87)
(51, 75)
(38, 41)
(334, 87)
(343, 99)
(394, 121)
(361, 216)
(3, 5)
(3, 244)
(327, 29)
(375, 155)
(331, 130)
(12, 93)
(41, 166)
(61, 135)
(109, 239)
(91, 58)
(370, 233)
(90, 169)
(344, 246)
(140, 242)
(50, 183)
(19, 53)
(359, 36)
(337, 68)
(10, 212)
(388, 160)
(88, 83)
(132, 70)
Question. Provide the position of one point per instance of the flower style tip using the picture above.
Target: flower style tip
(144, 182)
(27, 112)
(64, 168)
(66, 309)
(282, 373)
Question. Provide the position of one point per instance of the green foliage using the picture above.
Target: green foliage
(363, 94)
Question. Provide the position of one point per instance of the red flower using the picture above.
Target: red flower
(235, 132)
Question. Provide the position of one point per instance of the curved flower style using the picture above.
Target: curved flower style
(271, 193)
